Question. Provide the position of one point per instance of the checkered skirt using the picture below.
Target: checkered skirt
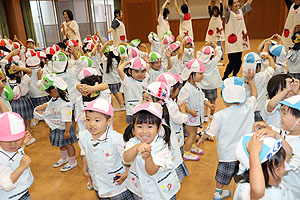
(23, 106)
(39, 100)
(57, 137)
(211, 95)
(114, 88)
(226, 171)
(182, 171)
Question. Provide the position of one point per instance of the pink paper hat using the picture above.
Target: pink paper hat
(137, 64)
(71, 43)
(55, 47)
(49, 51)
(96, 38)
(153, 108)
(168, 39)
(12, 127)
(133, 52)
(16, 45)
(86, 72)
(30, 53)
(90, 46)
(188, 39)
(158, 89)
(206, 53)
(168, 78)
(193, 65)
(174, 46)
(41, 54)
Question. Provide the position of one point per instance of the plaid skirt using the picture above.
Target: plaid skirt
(211, 95)
(23, 106)
(114, 88)
(126, 195)
(295, 75)
(40, 100)
(57, 137)
(182, 171)
(226, 171)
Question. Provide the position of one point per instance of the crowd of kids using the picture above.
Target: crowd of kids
(167, 94)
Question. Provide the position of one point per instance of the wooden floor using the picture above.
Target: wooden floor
(50, 183)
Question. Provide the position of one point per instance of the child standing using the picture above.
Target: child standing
(185, 26)
(102, 151)
(192, 94)
(133, 84)
(230, 125)
(212, 78)
(15, 174)
(152, 174)
(58, 116)
(294, 56)
(189, 49)
(156, 68)
(154, 41)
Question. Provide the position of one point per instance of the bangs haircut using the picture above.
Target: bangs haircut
(144, 117)
(107, 117)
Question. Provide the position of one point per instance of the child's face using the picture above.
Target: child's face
(147, 98)
(96, 122)
(278, 174)
(198, 77)
(138, 74)
(174, 93)
(30, 45)
(287, 119)
(297, 2)
(174, 53)
(188, 45)
(145, 132)
(11, 146)
(236, 5)
(216, 13)
(54, 93)
(156, 65)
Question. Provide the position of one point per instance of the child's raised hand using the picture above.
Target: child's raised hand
(146, 58)
(25, 162)
(122, 178)
(168, 53)
(15, 68)
(260, 125)
(289, 83)
(254, 146)
(142, 147)
(250, 74)
(183, 107)
(109, 42)
(295, 86)
(87, 89)
(15, 52)
(268, 133)
(27, 137)
(146, 154)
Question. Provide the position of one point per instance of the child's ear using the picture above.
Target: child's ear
(109, 121)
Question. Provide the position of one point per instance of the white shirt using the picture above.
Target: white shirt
(271, 118)
(294, 61)
(20, 89)
(112, 77)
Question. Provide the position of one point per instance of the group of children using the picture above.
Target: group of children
(167, 94)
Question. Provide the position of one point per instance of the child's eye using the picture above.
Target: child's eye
(98, 120)
(139, 126)
(87, 119)
(150, 126)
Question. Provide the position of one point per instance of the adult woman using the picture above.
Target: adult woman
(118, 28)
(70, 28)
(236, 37)
(163, 24)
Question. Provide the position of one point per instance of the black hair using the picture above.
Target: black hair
(91, 80)
(191, 75)
(117, 12)
(184, 9)
(3, 48)
(49, 56)
(107, 117)
(216, 8)
(294, 112)
(165, 13)
(269, 165)
(110, 56)
(12, 76)
(62, 45)
(276, 83)
(84, 49)
(143, 117)
(166, 115)
(230, 2)
(63, 94)
(178, 86)
(69, 13)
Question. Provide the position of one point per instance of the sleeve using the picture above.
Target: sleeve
(121, 147)
(25, 80)
(252, 101)
(246, 8)
(115, 24)
(219, 53)
(126, 80)
(75, 26)
(82, 150)
(265, 111)
(129, 145)
(267, 74)
(3, 62)
(5, 181)
(181, 16)
(183, 96)
(292, 56)
(213, 128)
(176, 116)
(221, 10)
(163, 159)
(227, 14)
(210, 11)
(66, 114)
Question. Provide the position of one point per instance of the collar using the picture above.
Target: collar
(103, 138)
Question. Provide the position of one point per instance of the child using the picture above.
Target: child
(294, 56)
(154, 42)
(156, 67)
(280, 87)
(110, 71)
(188, 49)
(176, 56)
(15, 174)
(102, 151)
(230, 125)
(194, 97)
(6, 93)
(212, 78)
(133, 84)
(262, 165)
(185, 26)
(58, 116)
(253, 61)
(215, 30)
(152, 174)
(279, 53)
(21, 102)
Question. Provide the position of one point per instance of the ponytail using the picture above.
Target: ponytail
(167, 134)
(128, 133)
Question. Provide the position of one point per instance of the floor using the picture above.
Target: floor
(50, 183)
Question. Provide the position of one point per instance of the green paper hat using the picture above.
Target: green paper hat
(8, 93)
(53, 80)
(154, 57)
(86, 61)
(135, 42)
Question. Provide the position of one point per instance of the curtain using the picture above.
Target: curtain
(3, 23)
(28, 21)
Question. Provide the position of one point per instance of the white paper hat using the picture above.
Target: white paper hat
(233, 90)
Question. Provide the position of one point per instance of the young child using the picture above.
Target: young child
(262, 166)
(152, 174)
(154, 42)
(185, 26)
(102, 152)
(279, 53)
(176, 56)
(156, 67)
(294, 56)
(188, 53)
(6, 93)
(58, 116)
(110, 71)
(192, 94)
(230, 125)
(253, 61)
(210, 56)
(280, 87)
(15, 174)
(133, 84)
(215, 30)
